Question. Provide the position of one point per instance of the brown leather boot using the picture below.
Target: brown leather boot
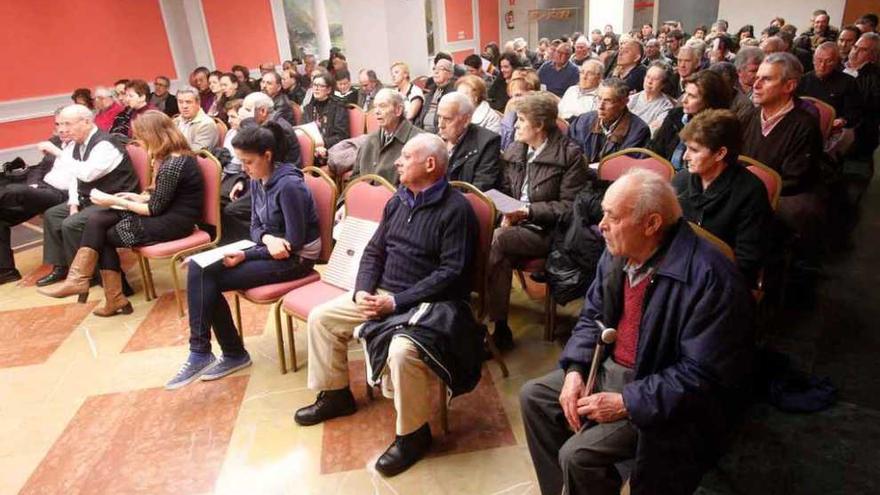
(78, 277)
(114, 301)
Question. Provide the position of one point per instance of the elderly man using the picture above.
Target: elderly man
(107, 107)
(382, 148)
(256, 109)
(443, 83)
(846, 40)
(473, 149)
(627, 67)
(611, 127)
(653, 53)
(370, 85)
(821, 30)
(99, 162)
(863, 65)
(670, 387)
(787, 138)
(422, 252)
(746, 62)
(687, 63)
(828, 83)
(45, 186)
(199, 129)
(581, 51)
(199, 80)
(162, 99)
(558, 74)
(271, 85)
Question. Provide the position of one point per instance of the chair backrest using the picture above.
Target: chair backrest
(771, 178)
(485, 212)
(365, 197)
(140, 161)
(827, 114)
(324, 193)
(562, 125)
(722, 246)
(372, 125)
(306, 147)
(357, 120)
(221, 131)
(297, 113)
(421, 82)
(616, 164)
(211, 173)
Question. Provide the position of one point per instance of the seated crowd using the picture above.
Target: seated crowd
(535, 126)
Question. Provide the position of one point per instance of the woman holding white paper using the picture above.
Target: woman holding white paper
(169, 209)
(284, 226)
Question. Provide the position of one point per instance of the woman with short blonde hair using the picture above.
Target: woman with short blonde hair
(475, 89)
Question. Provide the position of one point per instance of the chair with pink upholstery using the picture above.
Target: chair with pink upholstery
(616, 164)
(197, 241)
(371, 123)
(365, 198)
(357, 120)
(297, 113)
(324, 192)
(827, 114)
(140, 161)
(306, 148)
(222, 129)
(771, 178)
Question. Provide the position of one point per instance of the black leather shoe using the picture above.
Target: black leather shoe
(57, 274)
(502, 336)
(329, 404)
(405, 451)
(10, 275)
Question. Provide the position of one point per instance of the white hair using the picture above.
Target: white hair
(79, 111)
(259, 100)
(652, 194)
(431, 145)
(582, 40)
(519, 43)
(445, 65)
(698, 46)
(390, 94)
(462, 103)
(189, 90)
(103, 91)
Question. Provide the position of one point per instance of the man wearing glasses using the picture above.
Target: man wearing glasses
(162, 99)
(443, 83)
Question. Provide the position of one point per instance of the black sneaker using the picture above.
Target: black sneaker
(10, 275)
(329, 404)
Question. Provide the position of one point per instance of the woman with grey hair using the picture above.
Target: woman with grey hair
(652, 104)
(581, 98)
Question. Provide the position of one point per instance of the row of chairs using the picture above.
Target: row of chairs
(360, 122)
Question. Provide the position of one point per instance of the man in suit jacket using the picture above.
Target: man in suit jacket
(473, 150)
(383, 147)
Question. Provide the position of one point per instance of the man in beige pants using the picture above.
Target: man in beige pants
(421, 252)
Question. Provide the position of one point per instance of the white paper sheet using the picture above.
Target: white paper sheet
(504, 203)
(208, 258)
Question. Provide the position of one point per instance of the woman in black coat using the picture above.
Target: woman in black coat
(719, 194)
(328, 113)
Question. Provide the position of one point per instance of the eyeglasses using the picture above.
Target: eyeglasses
(320, 85)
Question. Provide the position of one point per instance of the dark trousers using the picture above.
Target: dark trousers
(582, 462)
(62, 232)
(208, 308)
(100, 234)
(18, 203)
(510, 245)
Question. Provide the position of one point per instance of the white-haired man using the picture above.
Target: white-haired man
(382, 148)
(671, 385)
(199, 129)
(409, 305)
(107, 108)
(473, 150)
(444, 82)
(581, 51)
(100, 162)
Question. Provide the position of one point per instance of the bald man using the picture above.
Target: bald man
(422, 252)
(100, 162)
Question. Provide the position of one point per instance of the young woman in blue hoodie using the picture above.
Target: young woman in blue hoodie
(284, 224)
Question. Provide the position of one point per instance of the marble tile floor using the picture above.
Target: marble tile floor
(85, 413)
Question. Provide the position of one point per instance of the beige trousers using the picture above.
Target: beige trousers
(330, 329)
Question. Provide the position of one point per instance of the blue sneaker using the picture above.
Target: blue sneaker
(226, 366)
(195, 365)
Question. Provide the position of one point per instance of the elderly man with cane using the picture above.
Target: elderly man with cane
(671, 384)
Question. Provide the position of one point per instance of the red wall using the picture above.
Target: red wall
(54, 46)
(459, 20)
(460, 55)
(23, 132)
(241, 32)
(489, 22)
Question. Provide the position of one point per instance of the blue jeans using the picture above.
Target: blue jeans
(208, 307)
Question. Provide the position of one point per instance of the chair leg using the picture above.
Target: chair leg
(548, 336)
(366, 380)
(147, 295)
(522, 279)
(237, 309)
(150, 284)
(496, 355)
(444, 409)
(175, 279)
(552, 314)
(291, 342)
(278, 334)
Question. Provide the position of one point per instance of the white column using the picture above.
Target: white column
(322, 28)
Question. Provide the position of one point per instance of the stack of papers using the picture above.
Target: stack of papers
(208, 258)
